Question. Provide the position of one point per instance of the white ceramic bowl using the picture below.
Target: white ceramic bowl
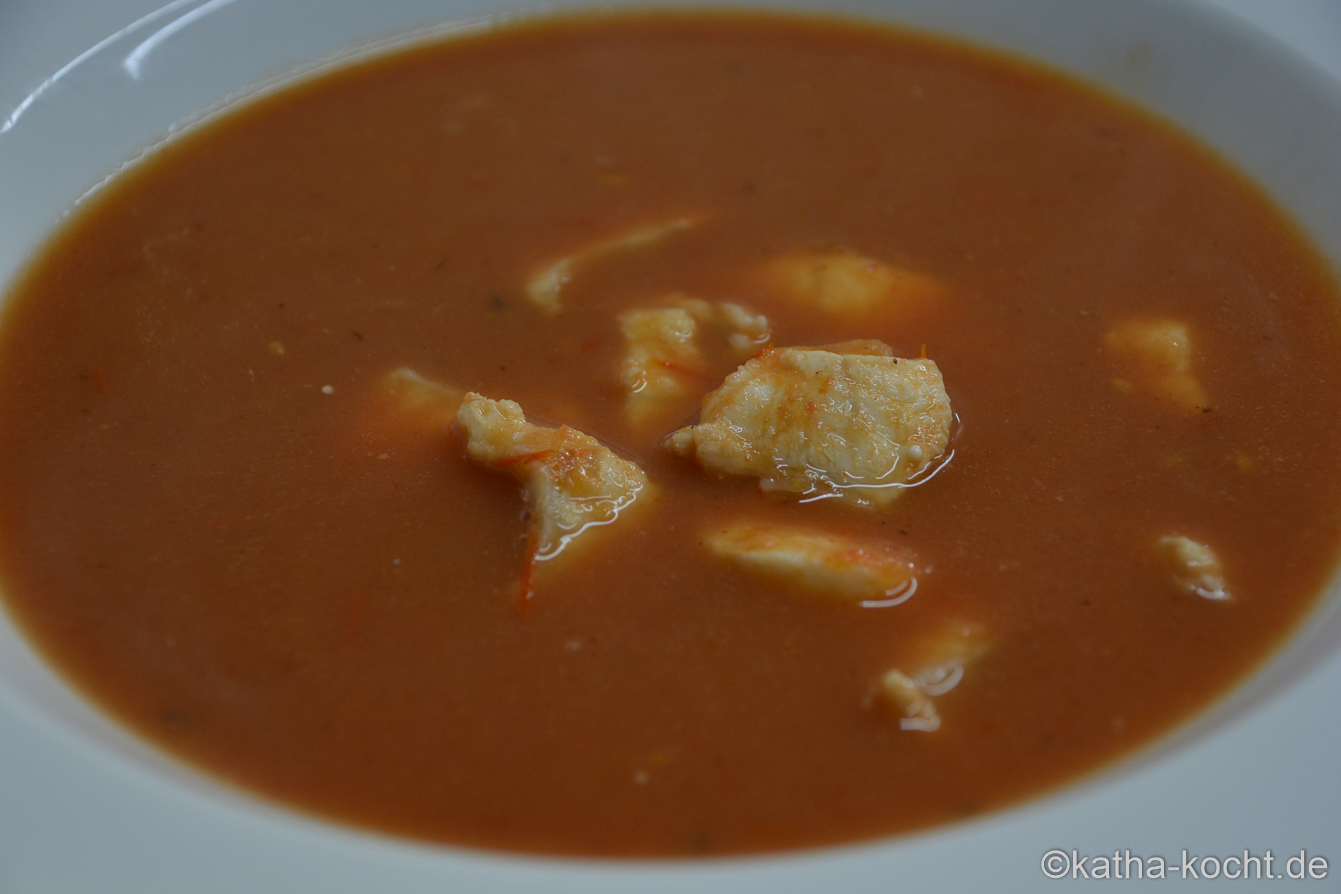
(87, 84)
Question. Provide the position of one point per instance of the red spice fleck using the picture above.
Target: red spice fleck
(527, 590)
(524, 458)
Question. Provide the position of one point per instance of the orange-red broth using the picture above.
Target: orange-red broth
(302, 594)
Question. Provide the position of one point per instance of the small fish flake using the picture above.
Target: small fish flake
(1193, 567)
(546, 285)
(871, 574)
(941, 660)
(1156, 356)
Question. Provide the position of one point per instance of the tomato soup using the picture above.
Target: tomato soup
(220, 521)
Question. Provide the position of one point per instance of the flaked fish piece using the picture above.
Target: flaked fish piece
(407, 410)
(427, 403)
(1194, 567)
(830, 565)
(747, 331)
(572, 482)
(545, 287)
(849, 421)
(1155, 356)
(904, 699)
(663, 350)
(844, 283)
(661, 355)
(940, 658)
(939, 663)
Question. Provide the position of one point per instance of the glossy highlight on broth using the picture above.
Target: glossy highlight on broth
(238, 506)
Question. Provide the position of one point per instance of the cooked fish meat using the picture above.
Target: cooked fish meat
(851, 421)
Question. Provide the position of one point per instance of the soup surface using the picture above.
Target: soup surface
(228, 519)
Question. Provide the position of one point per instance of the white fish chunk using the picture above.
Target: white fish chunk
(572, 482)
(939, 662)
(830, 565)
(847, 283)
(427, 403)
(663, 350)
(1155, 356)
(941, 657)
(904, 699)
(849, 421)
(748, 331)
(660, 356)
(545, 287)
(1194, 567)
